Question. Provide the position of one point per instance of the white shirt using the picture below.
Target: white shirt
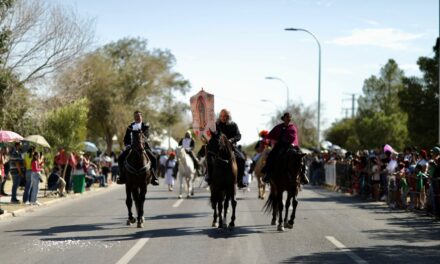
(186, 143)
(137, 126)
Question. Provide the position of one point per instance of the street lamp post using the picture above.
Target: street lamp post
(287, 88)
(319, 78)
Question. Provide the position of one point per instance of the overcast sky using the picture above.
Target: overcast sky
(229, 47)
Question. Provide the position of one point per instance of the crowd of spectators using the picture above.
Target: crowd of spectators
(409, 180)
(27, 168)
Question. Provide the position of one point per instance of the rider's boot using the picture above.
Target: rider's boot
(266, 178)
(303, 177)
(122, 178)
(154, 181)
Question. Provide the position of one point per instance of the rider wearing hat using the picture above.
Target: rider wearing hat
(284, 134)
(135, 126)
(188, 144)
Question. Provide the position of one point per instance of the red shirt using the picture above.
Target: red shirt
(283, 133)
(36, 166)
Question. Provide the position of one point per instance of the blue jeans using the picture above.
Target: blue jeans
(16, 178)
(35, 186)
(27, 187)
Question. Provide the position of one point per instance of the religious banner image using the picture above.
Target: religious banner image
(202, 109)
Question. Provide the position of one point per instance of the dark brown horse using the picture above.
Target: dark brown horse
(137, 170)
(284, 179)
(222, 171)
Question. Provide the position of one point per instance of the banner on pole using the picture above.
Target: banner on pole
(202, 109)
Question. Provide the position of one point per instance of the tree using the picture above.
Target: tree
(343, 133)
(121, 77)
(42, 37)
(380, 118)
(419, 99)
(66, 126)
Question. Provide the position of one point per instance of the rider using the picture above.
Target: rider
(188, 144)
(230, 129)
(137, 125)
(284, 134)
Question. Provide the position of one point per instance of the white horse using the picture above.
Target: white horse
(186, 171)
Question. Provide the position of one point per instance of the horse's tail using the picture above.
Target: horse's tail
(270, 204)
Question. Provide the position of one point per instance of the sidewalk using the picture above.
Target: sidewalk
(44, 197)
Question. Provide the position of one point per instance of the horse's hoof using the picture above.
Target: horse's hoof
(280, 228)
(192, 193)
(224, 226)
(128, 223)
(140, 225)
(273, 222)
(132, 220)
(188, 196)
(179, 197)
(214, 224)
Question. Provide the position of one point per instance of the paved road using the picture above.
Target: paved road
(330, 228)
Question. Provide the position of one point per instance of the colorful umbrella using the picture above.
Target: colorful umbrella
(9, 136)
(37, 139)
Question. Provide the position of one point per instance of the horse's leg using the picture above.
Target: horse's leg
(292, 216)
(225, 210)
(280, 211)
(214, 221)
(180, 185)
(274, 208)
(220, 211)
(143, 192)
(286, 207)
(188, 186)
(135, 194)
(129, 203)
(234, 205)
(191, 183)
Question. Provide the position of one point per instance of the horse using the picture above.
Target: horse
(261, 161)
(222, 171)
(284, 179)
(137, 168)
(186, 171)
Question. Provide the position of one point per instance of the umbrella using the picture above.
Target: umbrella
(89, 147)
(305, 151)
(9, 136)
(37, 139)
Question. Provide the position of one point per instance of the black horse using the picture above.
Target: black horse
(222, 171)
(284, 179)
(137, 170)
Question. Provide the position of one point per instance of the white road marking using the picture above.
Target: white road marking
(133, 251)
(177, 203)
(347, 251)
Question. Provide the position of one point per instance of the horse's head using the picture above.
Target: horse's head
(295, 160)
(138, 139)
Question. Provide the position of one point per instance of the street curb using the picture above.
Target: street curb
(75, 196)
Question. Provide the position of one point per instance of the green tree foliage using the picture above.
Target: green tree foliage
(343, 133)
(419, 99)
(380, 118)
(66, 125)
(121, 77)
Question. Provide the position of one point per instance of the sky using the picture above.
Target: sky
(228, 47)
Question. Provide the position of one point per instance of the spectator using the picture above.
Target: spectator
(17, 170)
(92, 176)
(5, 154)
(171, 170)
(64, 161)
(162, 163)
(36, 164)
(56, 182)
(28, 167)
(115, 167)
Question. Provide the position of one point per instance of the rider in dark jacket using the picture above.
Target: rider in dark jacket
(137, 125)
(230, 130)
